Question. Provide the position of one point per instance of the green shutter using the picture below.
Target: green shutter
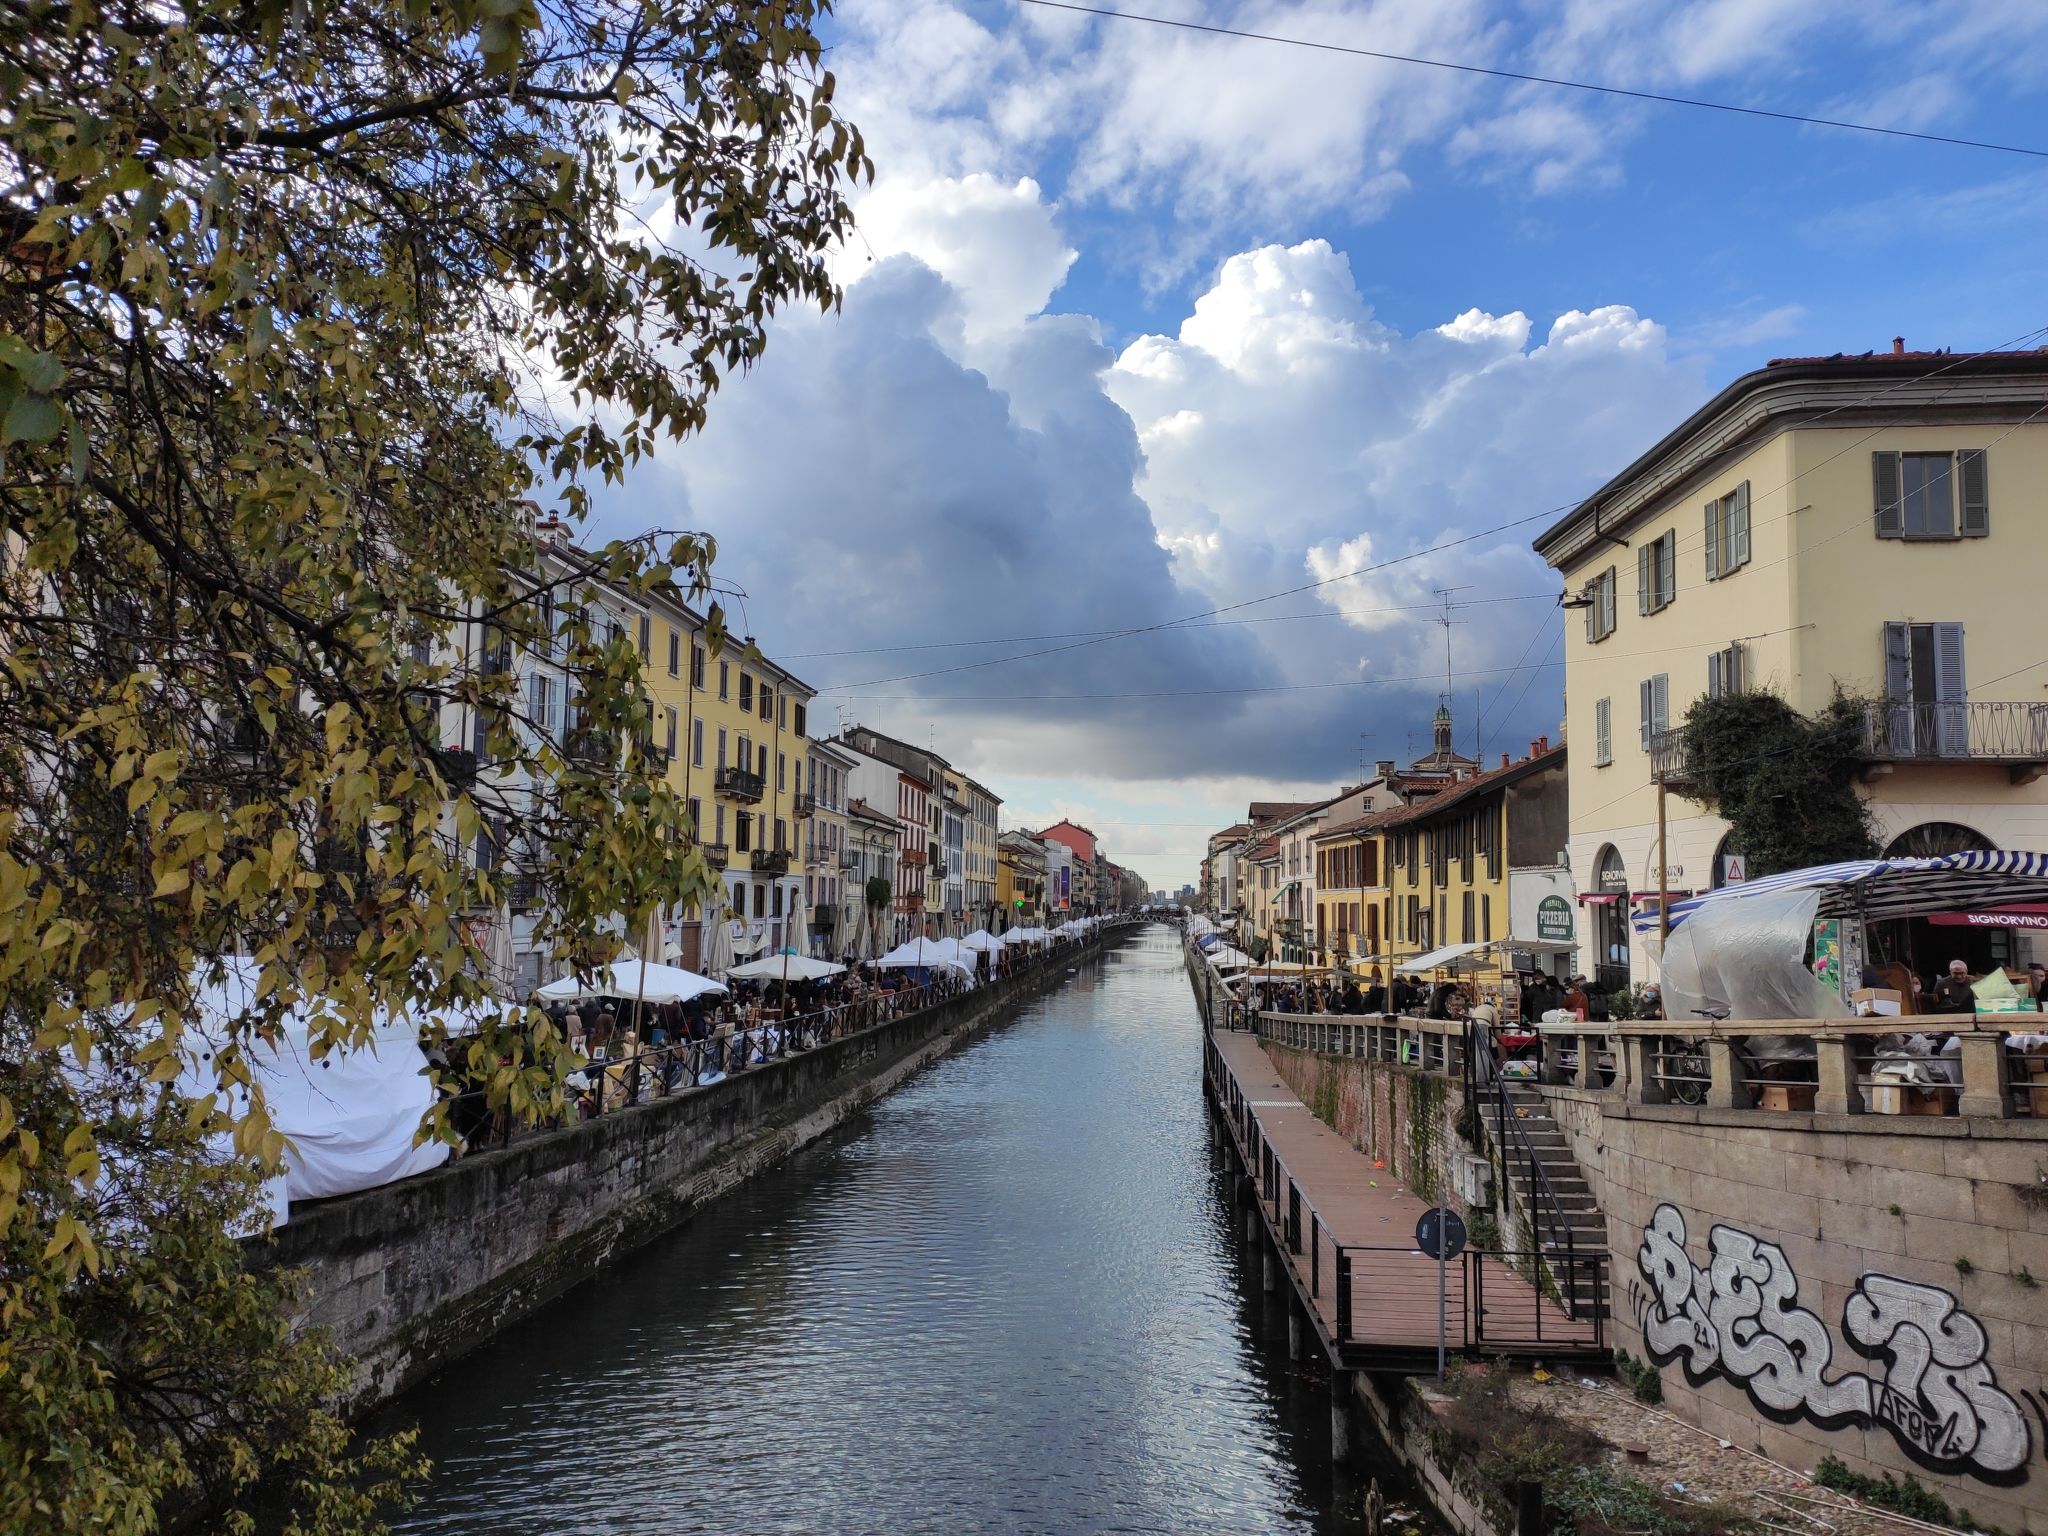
(1975, 472)
(1884, 473)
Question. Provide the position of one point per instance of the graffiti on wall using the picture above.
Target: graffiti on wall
(1928, 1382)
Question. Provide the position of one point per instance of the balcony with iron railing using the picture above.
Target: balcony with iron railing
(2008, 734)
(739, 784)
(717, 855)
(1667, 758)
(771, 861)
(803, 805)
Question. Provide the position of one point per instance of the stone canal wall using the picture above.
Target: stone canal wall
(411, 1276)
(1870, 1287)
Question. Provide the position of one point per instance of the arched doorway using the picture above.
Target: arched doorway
(1932, 839)
(1610, 920)
(1918, 944)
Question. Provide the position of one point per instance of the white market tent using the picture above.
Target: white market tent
(1026, 936)
(631, 980)
(1448, 954)
(775, 967)
(981, 941)
(1228, 959)
(927, 952)
(348, 1118)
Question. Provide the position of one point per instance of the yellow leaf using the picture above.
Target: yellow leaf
(172, 881)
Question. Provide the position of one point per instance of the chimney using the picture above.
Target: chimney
(1542, 745)
(1898, 346)
(1384, 768)
(1504, 760)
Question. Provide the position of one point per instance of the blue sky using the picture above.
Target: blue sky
(1143, 324)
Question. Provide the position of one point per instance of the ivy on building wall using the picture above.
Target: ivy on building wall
(1785, 783)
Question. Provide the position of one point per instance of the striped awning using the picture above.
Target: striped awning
(1887, 888)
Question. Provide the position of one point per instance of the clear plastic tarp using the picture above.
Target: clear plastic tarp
(1747, 960)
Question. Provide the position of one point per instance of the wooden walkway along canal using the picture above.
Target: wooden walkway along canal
(1345, 1234)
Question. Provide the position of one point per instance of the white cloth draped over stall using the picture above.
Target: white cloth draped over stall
(348, 1118)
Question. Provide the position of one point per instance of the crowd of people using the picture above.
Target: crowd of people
(634, 1050)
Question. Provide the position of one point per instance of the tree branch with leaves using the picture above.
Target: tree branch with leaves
(304, 308)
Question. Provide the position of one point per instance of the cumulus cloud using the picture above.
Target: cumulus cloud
(934, 512)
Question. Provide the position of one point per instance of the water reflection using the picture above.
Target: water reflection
(1009, 1299)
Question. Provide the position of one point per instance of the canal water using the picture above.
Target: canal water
(1010, 1298)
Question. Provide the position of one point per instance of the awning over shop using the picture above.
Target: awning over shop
(1290, 885)
(2030, 915)
(1875, 889)
(1599, 898)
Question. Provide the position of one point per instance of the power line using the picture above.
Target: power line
(1257, 688)
(1627, 93)
(1074, 634)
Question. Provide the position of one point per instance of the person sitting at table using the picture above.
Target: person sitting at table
(1952, 993)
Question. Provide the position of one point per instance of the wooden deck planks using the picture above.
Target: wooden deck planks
(1363, 1207)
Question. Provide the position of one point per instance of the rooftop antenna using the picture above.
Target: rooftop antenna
(1447, 621)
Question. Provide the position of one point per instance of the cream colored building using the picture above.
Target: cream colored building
(1866, 522)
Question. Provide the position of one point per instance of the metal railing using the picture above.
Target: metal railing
(1895, 730)
(1667, 757)
(770, 861)
(740, 784)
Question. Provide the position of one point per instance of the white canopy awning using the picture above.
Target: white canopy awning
(981, 939)
(1443, 956)
(630, 980)
(779, 967)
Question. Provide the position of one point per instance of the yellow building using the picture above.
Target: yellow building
(1862, 522)
(1351, 890)
(1447, 860)
(737, 736)
(1020, 882)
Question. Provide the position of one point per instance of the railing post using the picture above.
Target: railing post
(1835, 1056)
(1551, 1059)
(1343, 1283)
(1725, 1088)
(1589, 1060)
(1639, 1056)
(1987, 1088)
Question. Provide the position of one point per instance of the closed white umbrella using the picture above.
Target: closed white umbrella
(634, 979)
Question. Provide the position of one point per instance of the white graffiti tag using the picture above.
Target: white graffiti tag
(1938, 1393)
(1740, 1318)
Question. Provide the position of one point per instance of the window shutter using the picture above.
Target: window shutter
(1603, 734)
(1593, 614)
(1950, 686)
(1951, 692)
(1646, 566)
(1891, 517)
(1667, 568)
(1713, 540)
(1646, 704)
(1975, 474)
(1715, 686)
(1659, 697)
(1734, 671)
(1898, 662)
(1738, 529)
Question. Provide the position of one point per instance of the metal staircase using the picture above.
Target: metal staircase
(1543, 1182)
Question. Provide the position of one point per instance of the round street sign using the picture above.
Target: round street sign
(1453, 1232)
